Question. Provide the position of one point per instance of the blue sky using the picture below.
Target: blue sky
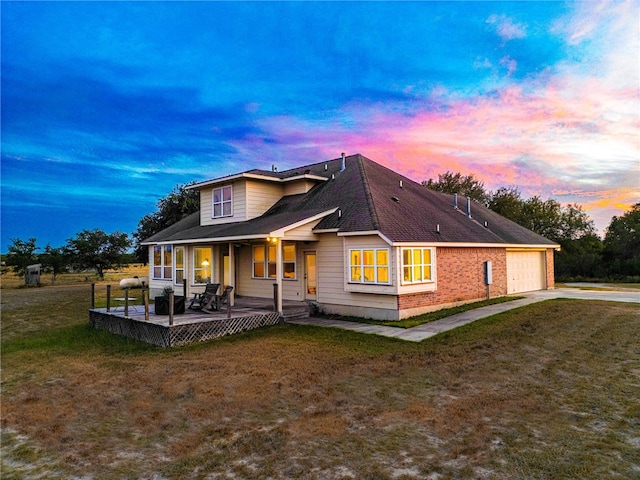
(106, 106)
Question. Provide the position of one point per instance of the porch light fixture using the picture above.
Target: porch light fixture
(272, 239)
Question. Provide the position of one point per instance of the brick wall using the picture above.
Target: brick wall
(460, 273)
(551, 279)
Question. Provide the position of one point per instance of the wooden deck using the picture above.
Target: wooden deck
(248, 313)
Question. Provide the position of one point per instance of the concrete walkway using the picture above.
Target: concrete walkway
(422, 332)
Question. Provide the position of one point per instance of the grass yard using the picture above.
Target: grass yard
(549, 391)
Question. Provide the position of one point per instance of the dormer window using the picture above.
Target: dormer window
(222, 204)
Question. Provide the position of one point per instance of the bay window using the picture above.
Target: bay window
(179, 265)
(162, 262)
(369, 265)
(417, 265)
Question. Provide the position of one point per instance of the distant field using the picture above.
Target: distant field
(10, 280)
(546, 391)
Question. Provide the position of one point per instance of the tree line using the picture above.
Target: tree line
(583, 255)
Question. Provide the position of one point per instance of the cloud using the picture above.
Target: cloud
(506, 28)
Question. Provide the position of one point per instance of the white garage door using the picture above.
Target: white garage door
(525, 271)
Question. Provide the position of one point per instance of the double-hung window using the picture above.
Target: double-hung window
(162, 262)
(179, 265)
(417, 265)
(369, 265)
(221, 202)
(264, 261)
(202, 265)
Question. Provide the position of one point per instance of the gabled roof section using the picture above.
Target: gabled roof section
(364, 197)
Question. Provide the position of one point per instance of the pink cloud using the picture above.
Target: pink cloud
(506, 28)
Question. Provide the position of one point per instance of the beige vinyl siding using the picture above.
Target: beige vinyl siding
(263, 287)
(260, 197)
(303, 232)
(298, 186)
(332, 275)
(239, 202)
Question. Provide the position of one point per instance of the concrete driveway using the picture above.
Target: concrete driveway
(422, 332)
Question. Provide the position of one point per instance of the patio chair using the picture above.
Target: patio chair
(206, 300)
(224, 298)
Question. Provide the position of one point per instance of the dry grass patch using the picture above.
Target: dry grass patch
(546, 391)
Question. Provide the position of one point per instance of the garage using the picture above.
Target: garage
(526, 271)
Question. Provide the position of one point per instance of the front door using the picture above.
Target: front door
(310, 276)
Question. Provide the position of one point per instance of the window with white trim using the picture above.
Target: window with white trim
(289, 261)
(369, 265)
(202, 265)
(221, 199)
(264, 261)
(417, 265)
(179, 265)
(162, 262)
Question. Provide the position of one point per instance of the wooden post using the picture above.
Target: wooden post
(171, 308)
(275, 297)
(145, 296)
(108, 298)
(126, 301)
(93, 296)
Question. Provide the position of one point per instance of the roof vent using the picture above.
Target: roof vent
(339, 213)
(333, 177)
(326, 166)
(438, 228)
(468, 207)
(486, 224)
(395, 199)
(400, 183)
(274, 168)
(343, 163)
(455, 201)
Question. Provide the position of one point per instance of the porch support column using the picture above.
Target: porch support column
(232, 274)
(279, 273)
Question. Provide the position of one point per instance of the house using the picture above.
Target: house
(350, 236)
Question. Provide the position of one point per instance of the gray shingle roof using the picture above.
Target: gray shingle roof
(370, 198)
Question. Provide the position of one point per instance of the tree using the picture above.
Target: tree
(464, 185)
(21, 255)
(508, 202)
(95, 249)
(180, 203)
(54, 260)
(622, 243)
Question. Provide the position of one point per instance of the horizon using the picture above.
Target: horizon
(106, 107)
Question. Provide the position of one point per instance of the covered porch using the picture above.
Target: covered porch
(248, 313)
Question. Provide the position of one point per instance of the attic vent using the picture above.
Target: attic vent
(395, 199)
